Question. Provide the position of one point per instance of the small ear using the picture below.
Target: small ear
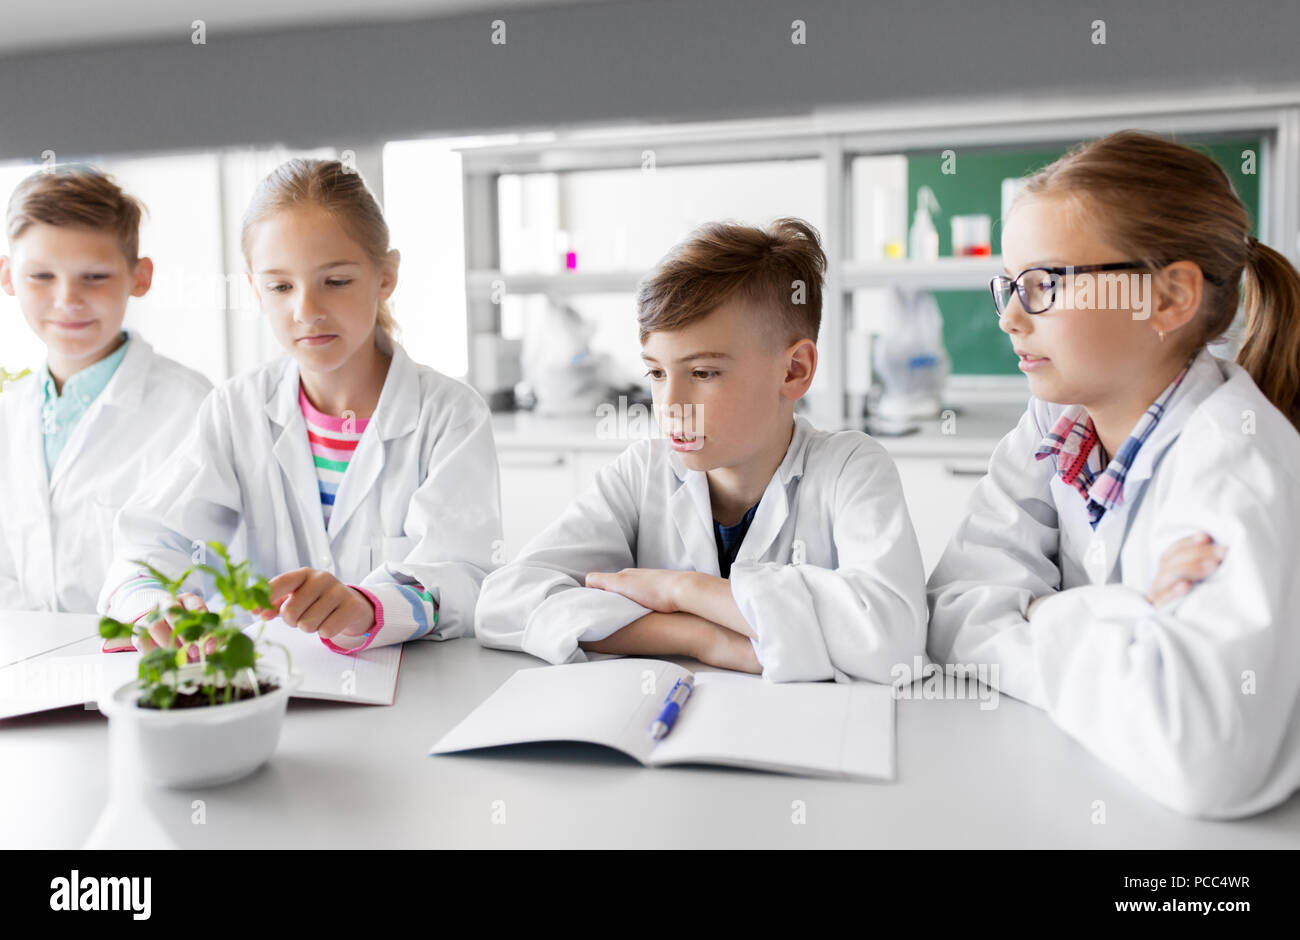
(1179, 289)
(6, 275)
(388, 277)
(143, 277)
(801, 366)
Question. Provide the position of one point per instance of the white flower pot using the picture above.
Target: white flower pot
(202, 746)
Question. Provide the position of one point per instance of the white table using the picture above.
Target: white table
(359, 776)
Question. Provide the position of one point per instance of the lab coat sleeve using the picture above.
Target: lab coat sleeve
(860, 617)
(538, 603)
(455, 519)
(1191, 701)
(1003, 556)
(192, 497)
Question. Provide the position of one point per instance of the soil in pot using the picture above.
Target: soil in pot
(199, 699)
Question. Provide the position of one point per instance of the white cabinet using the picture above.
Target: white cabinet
(937, 490)
(536, 485)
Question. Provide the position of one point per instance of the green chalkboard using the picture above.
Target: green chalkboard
(970, 326)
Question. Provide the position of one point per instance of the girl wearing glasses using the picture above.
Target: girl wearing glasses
(1129, 563)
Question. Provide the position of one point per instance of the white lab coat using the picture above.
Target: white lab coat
(56, 527)
(829, 574)
(420, 501)
(1195, 702)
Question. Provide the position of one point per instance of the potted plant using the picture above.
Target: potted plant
(204, 709)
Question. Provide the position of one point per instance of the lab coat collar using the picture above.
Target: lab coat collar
(692, 511)
(396, 414)
(292, 452)
(124, 391)
(792, 463)
(25, 397)
(1203, 377)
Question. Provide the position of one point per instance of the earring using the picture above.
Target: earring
(1162, 335)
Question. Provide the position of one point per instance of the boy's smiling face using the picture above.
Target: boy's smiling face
(72, 285)
(722, 387)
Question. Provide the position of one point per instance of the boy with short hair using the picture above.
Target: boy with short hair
(747, 539)
(80, 433)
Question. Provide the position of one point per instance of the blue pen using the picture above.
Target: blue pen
(681, 691)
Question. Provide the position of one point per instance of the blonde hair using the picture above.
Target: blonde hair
(328, 185)
(1159, 201)
(76, 196)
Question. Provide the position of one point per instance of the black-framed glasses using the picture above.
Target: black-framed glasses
(1037, 287)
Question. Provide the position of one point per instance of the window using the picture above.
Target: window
(424, 207)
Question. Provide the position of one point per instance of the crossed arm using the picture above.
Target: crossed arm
(693, 614)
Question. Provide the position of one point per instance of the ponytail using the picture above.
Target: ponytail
(1271, 349)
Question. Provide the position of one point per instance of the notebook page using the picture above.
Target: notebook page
(71, 675)
(367, 678)
(24, 634)
(814, 728)
(596, 702)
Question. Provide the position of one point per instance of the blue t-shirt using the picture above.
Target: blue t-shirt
(729, 538)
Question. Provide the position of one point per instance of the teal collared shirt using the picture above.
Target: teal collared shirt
(60, 413)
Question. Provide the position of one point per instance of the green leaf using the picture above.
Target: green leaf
(239, 653)
(155, 662)
(111, 629)
(165, 696)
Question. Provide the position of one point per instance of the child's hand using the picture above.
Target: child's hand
(160, 631)
(1184, 563)
(317, 602)
(728, 649)
(654, 588)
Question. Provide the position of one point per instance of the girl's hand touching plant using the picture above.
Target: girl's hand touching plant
(161, 632)
(186, 631)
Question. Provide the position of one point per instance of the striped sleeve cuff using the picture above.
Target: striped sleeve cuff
(402, 612)
(136, 598)
(131, 602)
(368, 638)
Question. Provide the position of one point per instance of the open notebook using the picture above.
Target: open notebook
(819, 729)
(64, 666)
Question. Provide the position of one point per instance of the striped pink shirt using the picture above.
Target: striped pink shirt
(333, 442)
